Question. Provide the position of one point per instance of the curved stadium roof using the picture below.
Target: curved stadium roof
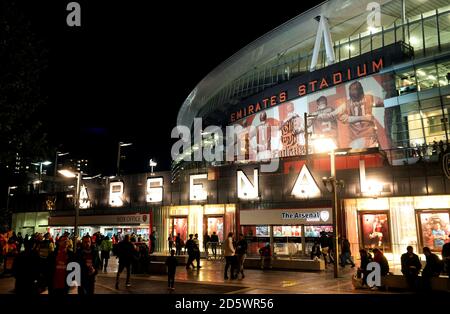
(346, 18)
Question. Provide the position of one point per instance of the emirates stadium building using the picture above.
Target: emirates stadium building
(341, 125)
(370, 77)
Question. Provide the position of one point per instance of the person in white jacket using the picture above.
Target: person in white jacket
(229, 253)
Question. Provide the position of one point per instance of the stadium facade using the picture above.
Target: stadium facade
(371, 78)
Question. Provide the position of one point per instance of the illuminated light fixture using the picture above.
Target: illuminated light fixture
(324, 145)
(305, 186)
(373, 188)
(421, 73)
(349, 47)
(372, 29)
(67, 173)
(37, 181)
(62, 154)
(122, 144)
(414, 41)
(69, 195)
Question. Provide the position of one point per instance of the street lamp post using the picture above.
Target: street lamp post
(70, 174)
(323, 145)
(40, 163)
(121, 144)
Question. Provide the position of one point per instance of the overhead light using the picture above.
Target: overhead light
(414, 41)
(70, 186)
(13, 187)
(37, 181)
(125, 144)
(62, 154)
(420, 72)
(67, 173)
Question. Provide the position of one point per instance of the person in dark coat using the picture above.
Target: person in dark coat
(171, 263)
(366, 258)
(315, 250)
(26, 272)
(57, 268)
(411, 267)
(152, 242)
(126, 253)
(190, 246)
(178, 244)
(432, 268)
(346, 253)
(214, 242)
(88, 258)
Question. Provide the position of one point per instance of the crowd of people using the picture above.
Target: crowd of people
(39, 262)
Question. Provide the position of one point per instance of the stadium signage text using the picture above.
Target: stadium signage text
(322, 80)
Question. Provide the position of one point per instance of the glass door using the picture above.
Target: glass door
(180, 226)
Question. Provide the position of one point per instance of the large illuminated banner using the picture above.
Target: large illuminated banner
(154, 190)
(352, 114)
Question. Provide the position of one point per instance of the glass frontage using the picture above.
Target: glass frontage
(215, 224)
(257, 237)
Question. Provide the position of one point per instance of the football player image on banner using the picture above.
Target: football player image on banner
(323, 122)
(292, 128)
(375, 231)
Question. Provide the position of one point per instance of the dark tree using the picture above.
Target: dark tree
(23, 63)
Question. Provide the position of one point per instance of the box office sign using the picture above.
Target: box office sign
(307, 216)
(103, 220)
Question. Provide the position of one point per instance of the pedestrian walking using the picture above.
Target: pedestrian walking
(190, 245)
(170, 240)
(197, 250)
(152, 242)
(105, 251)
(241, 252)
(171, 263)
(178, 244)
(126, 253)
(265, 255)
(214, 243)
(229, 253)
(346, 253)
(206, 241)
(411, 267)
(58, 261)
(324, 245)
(89, 262)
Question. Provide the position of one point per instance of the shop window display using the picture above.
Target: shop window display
(257, 237)
(435, 229)
(375, 231)
(287, 240)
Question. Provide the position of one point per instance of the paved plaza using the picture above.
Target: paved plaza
(209, 280)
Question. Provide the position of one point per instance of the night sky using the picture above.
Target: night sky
(125, 73)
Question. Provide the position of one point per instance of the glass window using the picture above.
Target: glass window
(389, 36)
(257, 237)
(377, 41)
(431, 33)
(434, 127)
(344, 51)
(427, 77)
(406, 82)
(354, 48)
(444, 73)
(444, 30)
(365, 44)
(416, 38)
